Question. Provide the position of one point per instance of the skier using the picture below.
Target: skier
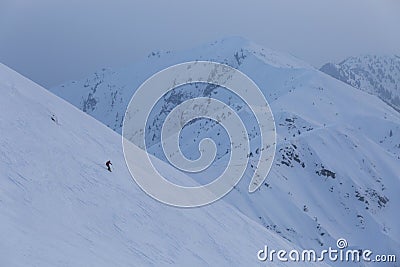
(108, 163)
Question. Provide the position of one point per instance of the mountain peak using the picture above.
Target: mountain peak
(233, 46)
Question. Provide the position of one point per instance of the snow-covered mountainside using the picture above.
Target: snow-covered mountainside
(59, 206)
(378, 75)
(337, 165)
(105, 94)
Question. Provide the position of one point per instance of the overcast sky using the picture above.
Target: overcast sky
(52, 41)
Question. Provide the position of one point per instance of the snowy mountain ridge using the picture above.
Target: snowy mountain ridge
(336, 169)
(378, 75)
(106, 93)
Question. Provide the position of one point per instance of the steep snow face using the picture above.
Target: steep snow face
(59, 206)
(336, 170)
(378, 75)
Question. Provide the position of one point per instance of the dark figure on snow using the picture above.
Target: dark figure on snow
(108, 163)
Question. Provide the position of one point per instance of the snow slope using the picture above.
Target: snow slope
(59, 206)
(337, 166)
(378, 75)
